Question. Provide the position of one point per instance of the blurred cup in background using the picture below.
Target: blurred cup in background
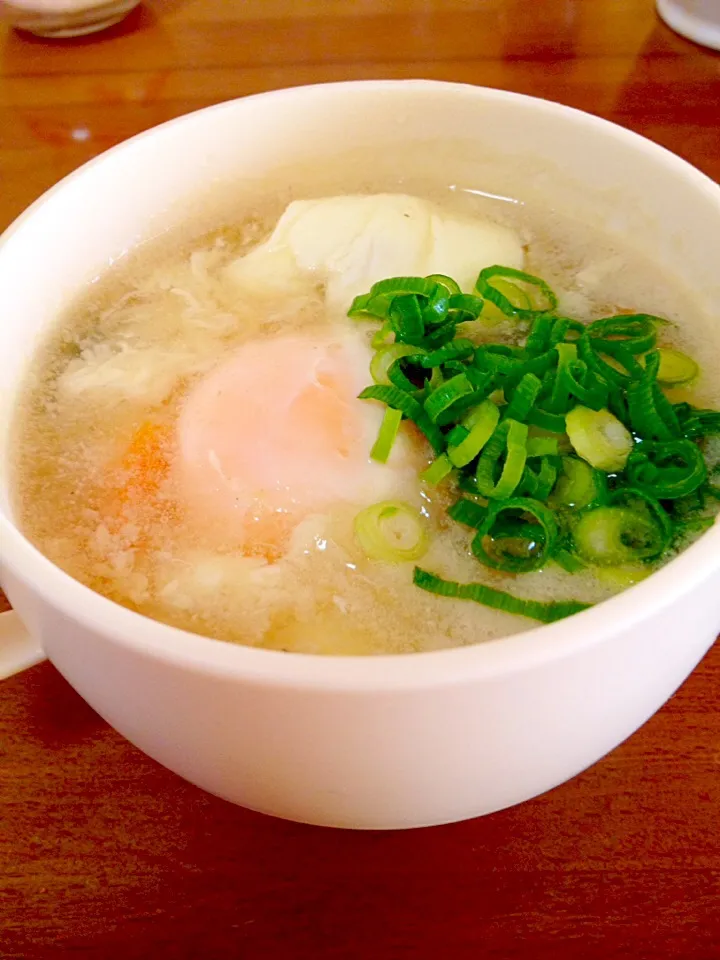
(698, 20)
(64, 18)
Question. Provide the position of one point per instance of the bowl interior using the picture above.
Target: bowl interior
(400, 130)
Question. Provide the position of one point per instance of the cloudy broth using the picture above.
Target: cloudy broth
(107, 387)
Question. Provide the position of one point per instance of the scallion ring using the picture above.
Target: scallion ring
(599, 437)
(578, 485)
(668, 470)
(391, 531)
(525, 296)
(530, 544)
(386, 356)
(614, 535)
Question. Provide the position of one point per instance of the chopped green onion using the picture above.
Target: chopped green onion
(479, 425)
(568, 383)
(596, 387)
(618, 405)
(514, 294)
(523, 397)
(699, 423)
(675, 368)
(636, 331)
(542, 447)
(457, 349)
(640, 502)
(436, 309)
(510, 435)
(512, 299)
(540, 366)
(468, 512)
(667, 470)
(539, 485)
(578, 486)
(391, 531)
(651, 414)
(406, 320)
(622, 370)
(564, 329)
(440, 468)
(386, 356)
(553, 422)
(466, 306)
(613, 535)
(368, 306)
(450, 285)
(447, 394)
(399, 286)
(456, 436)
(497, 599)
(441, 335)
(529, 545)
(599, 437)
(386, 435)
(399, 400)
(382, 337)
(538, 340)
(358, 308)
(568, 561)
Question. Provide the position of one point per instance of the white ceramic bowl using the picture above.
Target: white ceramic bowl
(364, 742)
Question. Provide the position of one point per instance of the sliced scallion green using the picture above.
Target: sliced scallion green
(480, 425)
(386, 435)
(578, 485)
(595, 389)
(525, 295)
(613, 535)
(553, 422)
(637, 331)
(399, 286)
(406, 319)
(447, 394)
(468, 512)
(510, 437)
(599, 437)
(440, 468)
(391, 531)
(668, 470)
(450, 285)
(497, 599)
(529, 544)
(457, 349)
(523, 397)
(382, 337)
(675, 368)
(466, 306)
(400, 400)
(386, 356)
(542, 447)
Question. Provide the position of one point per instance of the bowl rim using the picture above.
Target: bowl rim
(490, 659)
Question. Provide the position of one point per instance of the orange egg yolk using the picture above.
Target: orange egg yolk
(276, 433)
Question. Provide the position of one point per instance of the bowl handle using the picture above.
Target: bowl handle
(18, 650)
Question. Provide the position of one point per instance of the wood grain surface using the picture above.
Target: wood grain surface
(104, 854)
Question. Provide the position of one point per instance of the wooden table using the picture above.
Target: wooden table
(104, 854)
